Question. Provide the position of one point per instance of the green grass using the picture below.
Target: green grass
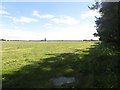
(34, 64)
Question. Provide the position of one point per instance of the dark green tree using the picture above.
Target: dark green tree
(107, 25)
(2, 40)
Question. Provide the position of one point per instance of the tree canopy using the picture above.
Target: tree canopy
(107, 25)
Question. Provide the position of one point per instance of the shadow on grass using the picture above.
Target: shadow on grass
(39, 74)
(98, 68)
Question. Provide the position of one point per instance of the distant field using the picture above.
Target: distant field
(34, 64)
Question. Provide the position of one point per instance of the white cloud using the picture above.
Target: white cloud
(47, 16)
(36, 13)
(90, 13)
(78, 32)
(71, 33)
(2, 25)
(17, 34)
(66, 20)
(48, 24)
(24, 20)
(3, 12)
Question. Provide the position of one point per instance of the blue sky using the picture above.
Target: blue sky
(53, 20)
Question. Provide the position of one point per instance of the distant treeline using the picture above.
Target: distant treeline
(46, 40)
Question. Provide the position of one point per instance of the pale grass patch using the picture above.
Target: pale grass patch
(24, 49)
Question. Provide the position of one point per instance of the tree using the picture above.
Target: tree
(45, 39)
(107, 24)
(2, 40)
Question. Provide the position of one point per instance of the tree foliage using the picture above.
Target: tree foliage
(2, 40)
(107, 25)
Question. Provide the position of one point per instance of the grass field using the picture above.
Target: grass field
(34, 64)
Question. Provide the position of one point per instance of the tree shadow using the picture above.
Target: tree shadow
(100, 68)
(97, 68)
(38, 74)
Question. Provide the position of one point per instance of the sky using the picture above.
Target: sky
(50, 20)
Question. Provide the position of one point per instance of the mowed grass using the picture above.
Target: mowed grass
(34, 64)
(18, 54)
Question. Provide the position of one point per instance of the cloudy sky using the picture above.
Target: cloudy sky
(53, 20)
